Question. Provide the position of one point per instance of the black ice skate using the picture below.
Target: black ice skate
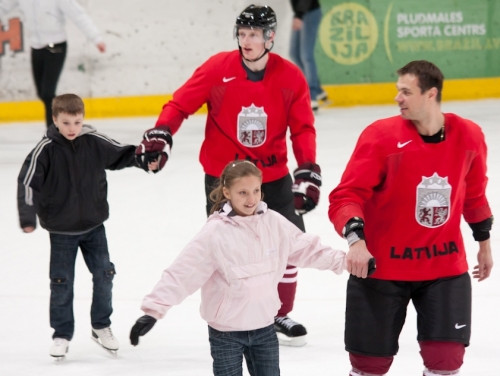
(290, 333)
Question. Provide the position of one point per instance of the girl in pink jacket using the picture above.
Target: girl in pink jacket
(238, 259)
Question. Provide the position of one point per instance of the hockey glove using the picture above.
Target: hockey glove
(141, 327)
(372, 266)
(306, 187)
(155, 146)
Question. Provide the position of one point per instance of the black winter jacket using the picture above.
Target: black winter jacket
(64, 182)
(301, 7)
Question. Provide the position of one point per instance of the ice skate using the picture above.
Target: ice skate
(105, 338)
(323, 100)
(290, 333)
(314, 105)
(59, 348)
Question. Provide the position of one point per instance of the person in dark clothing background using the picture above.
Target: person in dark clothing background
(306, 19)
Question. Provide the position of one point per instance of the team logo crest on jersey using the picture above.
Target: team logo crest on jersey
(433, 201)
(252, 126)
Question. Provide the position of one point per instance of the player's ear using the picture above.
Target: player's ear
(271, 36)
(432, 93)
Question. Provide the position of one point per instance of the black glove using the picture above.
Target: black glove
(306, 187)
(155, 146)
(372, 266)
(141, 327)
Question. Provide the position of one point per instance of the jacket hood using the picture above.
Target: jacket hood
(53, 132)
(229, 215)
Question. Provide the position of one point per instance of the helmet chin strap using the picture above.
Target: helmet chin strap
(266, 50)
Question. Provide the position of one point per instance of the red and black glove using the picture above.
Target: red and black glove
(155, 146)
(306, 187)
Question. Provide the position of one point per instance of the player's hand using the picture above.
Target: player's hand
(359, 260)
(485, 261)
(154, 147)
(153, 166)
(141, 327)
(306, 187)
(28, 229)
(297, 24)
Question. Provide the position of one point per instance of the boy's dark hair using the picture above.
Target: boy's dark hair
(68, 103)
(233, 170)
(428, 74)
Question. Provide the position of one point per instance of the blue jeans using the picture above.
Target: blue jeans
(63, 251)
(260, 348)
(302, 44)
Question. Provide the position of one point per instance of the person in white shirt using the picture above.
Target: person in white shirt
(45, 23)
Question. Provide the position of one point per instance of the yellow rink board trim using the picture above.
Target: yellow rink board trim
(340, 95)
(384, 93)
(94, 108)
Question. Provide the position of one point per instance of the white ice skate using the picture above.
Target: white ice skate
(106, 339)
(59, 348)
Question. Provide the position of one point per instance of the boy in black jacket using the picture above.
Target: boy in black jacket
(63, 181)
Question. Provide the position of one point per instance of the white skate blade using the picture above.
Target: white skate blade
(57, 354)
(291, 341)
(113, 353)
(59, 359)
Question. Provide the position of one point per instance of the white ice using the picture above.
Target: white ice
(154, 215)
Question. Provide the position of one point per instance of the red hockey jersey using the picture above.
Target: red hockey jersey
(412, 195)
(246, 119)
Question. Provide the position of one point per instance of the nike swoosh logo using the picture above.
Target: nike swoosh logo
(403, 144)
(459, 326)
(227, 79)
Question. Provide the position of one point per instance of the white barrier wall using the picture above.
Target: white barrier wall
(153, 46)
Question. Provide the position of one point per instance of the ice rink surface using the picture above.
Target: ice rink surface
(154, 215)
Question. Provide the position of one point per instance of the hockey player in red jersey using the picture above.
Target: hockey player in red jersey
(254, 97)
(401, 198)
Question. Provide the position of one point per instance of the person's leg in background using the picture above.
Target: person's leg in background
(47, 64)
(308, 37)
(302, 44)
(295, 56)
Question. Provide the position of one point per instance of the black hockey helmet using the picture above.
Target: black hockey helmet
(260, 17)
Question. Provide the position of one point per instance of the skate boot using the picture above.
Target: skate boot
(314, 105)
(290, 333)
(59, 348)
(106, 339)
(323, 100)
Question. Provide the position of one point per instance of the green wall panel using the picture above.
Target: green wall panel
(366, 41)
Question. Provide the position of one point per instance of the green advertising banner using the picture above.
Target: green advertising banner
(366, 41)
